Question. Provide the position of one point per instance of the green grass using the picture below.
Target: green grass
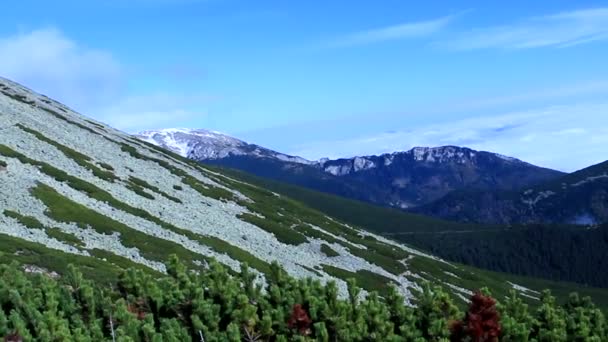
(208, 190)
(325, 249)
(64, 118)
(296, 215)
(76, 156)
(68, 238)
(387, 263)
(31, 253)
(373, 218)
(95, 124)
(62, 209)
(265, 202)
(143, 184)
(378, 219)
(474, 279)
(56, 233)
(283, 233)
(316, 233)
(106, 166)
(139, 190)
(132, 151)
(235, 253)
(105, 227)
(28, 221)
(365, 279)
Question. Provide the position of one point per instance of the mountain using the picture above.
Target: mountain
(76, 191)
(402, 179)
(555, 252)
(202, 144)
(424, 174)
(579, 198)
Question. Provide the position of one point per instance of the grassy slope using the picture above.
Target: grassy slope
(373, 218)
(360, 214)
(385, 220)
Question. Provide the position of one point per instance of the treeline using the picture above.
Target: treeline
(576, 254)
(215, 305)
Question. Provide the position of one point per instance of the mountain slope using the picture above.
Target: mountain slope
(215, 148)
(577, 198)
(73, 190)
(556, 252)
(423, 174)
(402, 179)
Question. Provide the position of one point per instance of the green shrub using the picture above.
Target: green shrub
(325, 249)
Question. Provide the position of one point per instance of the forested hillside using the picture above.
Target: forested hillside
(576, 254)
(578, 198)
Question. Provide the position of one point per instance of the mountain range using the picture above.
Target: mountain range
(579, 198)
(76, 191)
(401, 179)
(447, 182)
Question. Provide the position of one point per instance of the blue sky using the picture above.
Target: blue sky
(329, 78)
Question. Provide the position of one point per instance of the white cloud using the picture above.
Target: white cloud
(160, 110)
(556, 30)
(395, 32)
(562, 137)
(91, 81)
(51, 63)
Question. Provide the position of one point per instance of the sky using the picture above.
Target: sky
(333, 79)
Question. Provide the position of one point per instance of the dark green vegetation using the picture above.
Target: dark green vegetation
(76, 156)
(281, 232)
(106, 166)
(328, 250)
(561, 253)
(372, 218)
(365, 279)
(282, 211)
(56, 233)
(143, 184)
(30, 253)
(2, 163)
(577, 198)
(63, 209)
(23, 99)
(216, 306)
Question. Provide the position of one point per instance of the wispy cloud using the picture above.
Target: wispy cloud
(50, 62)
(556, 30)
(562, 137)
(158, 110)
(395, 32)
(94, 82)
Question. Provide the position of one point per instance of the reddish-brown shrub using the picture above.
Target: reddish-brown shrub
(300, 320)
(482, 321)
(14, 337)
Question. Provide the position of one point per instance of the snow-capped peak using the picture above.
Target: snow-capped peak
(207, 144)
(202, 144)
